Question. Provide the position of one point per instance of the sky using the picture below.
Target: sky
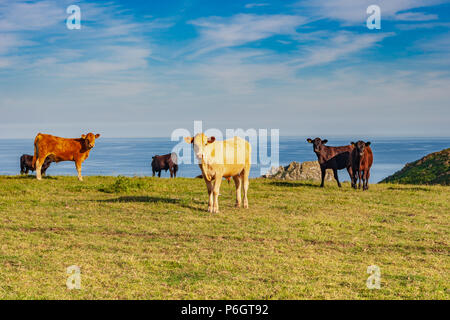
(147, 68)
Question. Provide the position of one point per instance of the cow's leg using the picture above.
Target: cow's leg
(360, 176)
(238, 184)
(216, 191)
(39, 163)
(366, 180)
(78, 166)
(209, 185)
(352, 176)
(153, 173)
(335, 172)
(159, 173)
(171, 172)
(245, 181)
(323, 171)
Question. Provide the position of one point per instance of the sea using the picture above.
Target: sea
(132, 156)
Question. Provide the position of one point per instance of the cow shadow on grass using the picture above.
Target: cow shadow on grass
(148, 199)
(29, 177)
(128, 199)
(409, 188)
(294, 184)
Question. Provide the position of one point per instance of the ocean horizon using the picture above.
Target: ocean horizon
(132, 156)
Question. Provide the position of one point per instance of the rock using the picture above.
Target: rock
(308, 170)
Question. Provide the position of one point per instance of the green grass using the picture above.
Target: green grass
(431, 169)
(150, 238)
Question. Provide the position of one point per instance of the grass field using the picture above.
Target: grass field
(150, 238)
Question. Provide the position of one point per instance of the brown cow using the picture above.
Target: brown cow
(362, 160)
(62, 149)
(335, 158)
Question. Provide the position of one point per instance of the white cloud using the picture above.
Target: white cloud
(340, 46)
(10, 42)
(24, 15)
(218, 32)
(255, 5)
(415, 16)
(354, 11)
(114, 59)
(439, 43)
(430, 25)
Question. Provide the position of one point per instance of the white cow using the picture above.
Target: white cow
(222, 159)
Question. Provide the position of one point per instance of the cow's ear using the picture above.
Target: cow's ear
(83, 136)
(324, 141)
(211, 139)
(352, 143)
(309, 140)
(189, 140)
(97, 136)
(367, 143)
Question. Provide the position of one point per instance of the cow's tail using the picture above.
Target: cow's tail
(36, 149)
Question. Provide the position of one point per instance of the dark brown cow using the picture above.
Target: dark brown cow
(26, 164)
(362, 160)
(165, 162)
(335, 158)
(62, 149)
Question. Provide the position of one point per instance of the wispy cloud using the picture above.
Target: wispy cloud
(430, 25)
(24, 15)
(354, 12)
(342, 45)
(255, 5)
(220, 32)
(415, 16)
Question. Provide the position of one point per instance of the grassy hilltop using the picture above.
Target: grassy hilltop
(149, 238)
(431, 169)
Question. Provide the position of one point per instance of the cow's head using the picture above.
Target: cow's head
(89, 139)
(317, 143)
(200, 141)
(360, 146)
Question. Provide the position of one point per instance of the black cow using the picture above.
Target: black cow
(26, 164)
(165, 162)
(335, 158)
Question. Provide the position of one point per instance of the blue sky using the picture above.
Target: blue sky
(146, 68)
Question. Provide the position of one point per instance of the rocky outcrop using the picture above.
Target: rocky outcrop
(308, 170)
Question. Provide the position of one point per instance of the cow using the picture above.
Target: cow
(222, 159)
(62, 149)
(335, 158)
(362, 160)
(165, 162)
(26, 164)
